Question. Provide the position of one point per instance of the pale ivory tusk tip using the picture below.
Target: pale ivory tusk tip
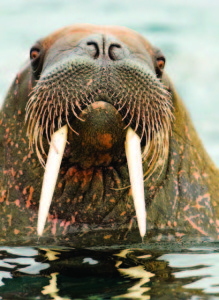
(56, 150)
(134, 160)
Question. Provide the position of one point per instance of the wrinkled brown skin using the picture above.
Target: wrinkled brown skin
(182, 202)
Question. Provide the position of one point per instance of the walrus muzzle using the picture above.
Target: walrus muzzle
(120, 99)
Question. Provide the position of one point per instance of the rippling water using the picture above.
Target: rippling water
(133, 273)
(188, 34)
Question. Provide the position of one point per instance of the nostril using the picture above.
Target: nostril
(93, 49)
(115, 52)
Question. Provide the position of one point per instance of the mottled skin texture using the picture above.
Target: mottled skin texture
(92, 203)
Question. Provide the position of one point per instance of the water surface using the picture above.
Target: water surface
(137, 272)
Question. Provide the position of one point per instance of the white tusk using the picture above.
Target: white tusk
(133, 154)
(57, 147)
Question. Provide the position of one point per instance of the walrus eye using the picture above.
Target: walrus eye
(160, 63)
(35, 58)
(34, 53)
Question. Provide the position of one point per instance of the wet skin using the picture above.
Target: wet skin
(100, 81)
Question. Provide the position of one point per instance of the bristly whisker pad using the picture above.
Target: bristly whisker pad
(134, 90)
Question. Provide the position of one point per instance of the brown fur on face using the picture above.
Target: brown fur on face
(70, 72)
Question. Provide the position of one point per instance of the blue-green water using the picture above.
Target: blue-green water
(188, 34)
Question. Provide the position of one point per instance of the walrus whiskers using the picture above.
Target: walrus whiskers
(41, 140)
(36, 135)
(159, 146)
(150, 96)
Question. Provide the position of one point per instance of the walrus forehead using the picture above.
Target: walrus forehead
(70, 37)
(129, 36)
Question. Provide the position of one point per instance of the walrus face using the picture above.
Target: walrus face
(100, 90)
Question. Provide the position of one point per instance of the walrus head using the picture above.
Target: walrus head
(101, 86)
(99, 113)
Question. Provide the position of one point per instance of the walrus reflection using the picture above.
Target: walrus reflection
(104, 86)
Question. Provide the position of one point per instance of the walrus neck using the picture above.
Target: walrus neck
(188, 196)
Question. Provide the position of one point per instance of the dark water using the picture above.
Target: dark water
(165, 272)
(188, 34)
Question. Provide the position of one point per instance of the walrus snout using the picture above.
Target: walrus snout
(100, 139)
(105, 47)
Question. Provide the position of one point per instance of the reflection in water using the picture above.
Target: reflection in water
(33, 267)
(137, 290)
(3, 275)
(20, 251)
(137, 273)
(196, 265)
(52, 289)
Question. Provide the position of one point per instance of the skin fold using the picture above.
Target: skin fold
(101, 80)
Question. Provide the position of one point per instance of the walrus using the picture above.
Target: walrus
(96, 146)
